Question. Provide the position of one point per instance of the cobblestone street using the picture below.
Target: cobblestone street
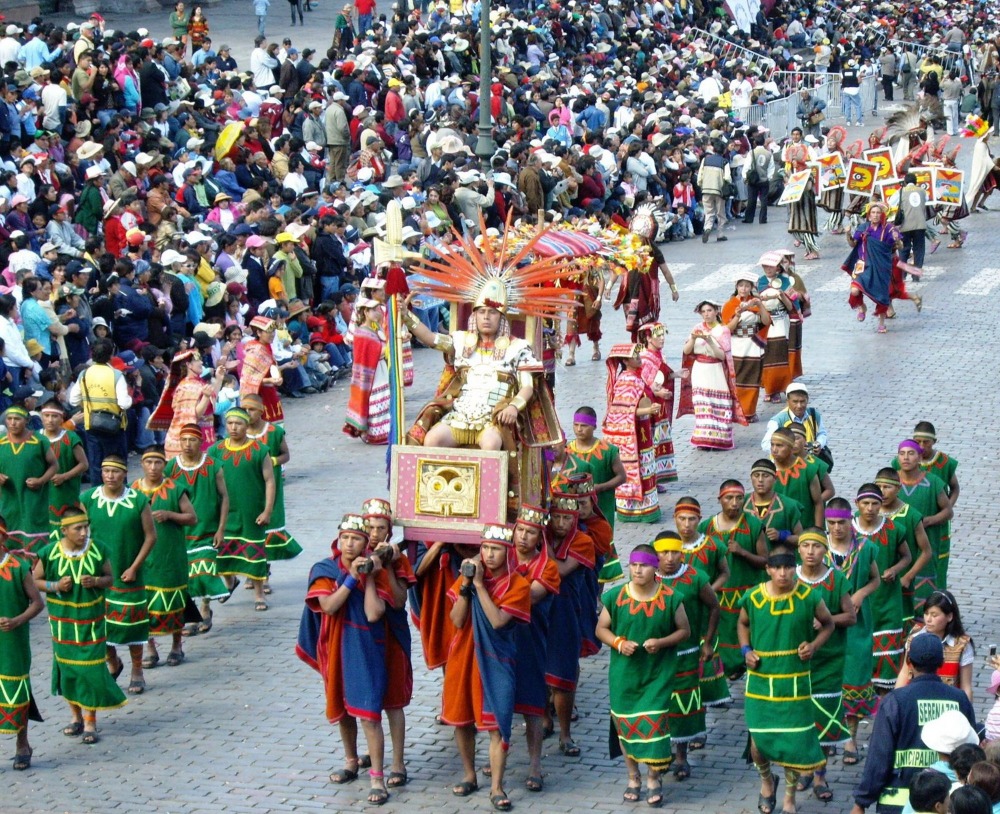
(240, 726)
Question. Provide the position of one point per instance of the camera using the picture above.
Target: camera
(365, 567)
(384, 553)
(468, 569)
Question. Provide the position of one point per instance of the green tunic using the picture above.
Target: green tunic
(15, 647)
(25, 510)
(204, 581)
(859, 693)
(116, 525)
(887, 603)
(166, 568)
(600, 463)
(742, 577)
(923, 496)
(783, 513)
(908, 519)
(778, 706)
(687, 713)
(76, 620)
(243, 551)
(67, 493)
(280, 544)
(704, 556)
(944, 468)
(827, 665)
(641, 685)
(794, 482)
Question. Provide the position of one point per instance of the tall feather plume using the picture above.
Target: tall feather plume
(904, 123)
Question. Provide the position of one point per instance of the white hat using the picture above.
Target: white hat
(169, 257)
(129, 167)
(93, 172)
(408, 203)
(193, 238)
(409, 232)
(194, 143)
(313, 147)
(503, 178)
(469, 177)
(394, 181)
(366, 174)
(339, 96)
(947, 732)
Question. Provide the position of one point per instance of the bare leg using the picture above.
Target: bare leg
(633, 790)
(764, 770)
(135, 653)
(465, 739)
(375, 738)
(563, 701)
(533, 732)
(498, 762)
(440, 436)
(349, 738)
(490, 439)
(397, 735)
(258, 594)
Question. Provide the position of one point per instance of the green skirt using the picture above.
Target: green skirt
(687, 714)
(204, 581)
(779, 715)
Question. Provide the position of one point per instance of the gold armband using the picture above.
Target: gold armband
(524, 379)
(519, 403)
(410, 320)
(443, 342)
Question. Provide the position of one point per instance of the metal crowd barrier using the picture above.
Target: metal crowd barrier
(730, 50)
(948, 59)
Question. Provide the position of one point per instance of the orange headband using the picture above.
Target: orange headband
(732, 490)
(687, 507)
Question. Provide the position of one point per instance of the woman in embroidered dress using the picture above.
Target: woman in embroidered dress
(642, 622)
(19, 604)
(778, 296)
(711, 394)
(873, 247)
(197, 28)
(747, 320)
(74, 573)
(628, 425)
(658, 376)
(188, 399)
(855, 558)
(368, 404)
(259, 374)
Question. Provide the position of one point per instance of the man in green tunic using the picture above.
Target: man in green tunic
(595, 456)
(778, 637)
(20, 602)
(687, 712)
(202, 478)
(780, 514)
(26, 467)
(71, 463)
(122, 524)
(827, 667)
(642, 622)
(795, 479)
(166, 569)
(926, 492)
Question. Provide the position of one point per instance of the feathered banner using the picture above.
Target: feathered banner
(396, 291)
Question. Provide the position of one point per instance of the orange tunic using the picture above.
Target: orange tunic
(462, 695)
(436, 629)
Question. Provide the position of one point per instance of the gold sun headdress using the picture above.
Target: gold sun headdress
(492, 274)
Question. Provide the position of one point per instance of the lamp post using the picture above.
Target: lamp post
(485, 146)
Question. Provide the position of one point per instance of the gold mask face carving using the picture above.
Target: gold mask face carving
(448, 488)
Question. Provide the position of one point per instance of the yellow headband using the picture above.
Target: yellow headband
(114, 465)
(667, 543)
(154, 454)
(813, 537)
(74, 519)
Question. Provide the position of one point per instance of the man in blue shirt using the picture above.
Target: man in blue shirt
(797, 412)
(203, 53)
(591, 118)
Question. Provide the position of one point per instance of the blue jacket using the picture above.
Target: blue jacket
(895, 751)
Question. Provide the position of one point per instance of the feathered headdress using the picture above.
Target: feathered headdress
(644, 221)
(912, 158)
(495, 276)
(906, 123)
(937, 151)
(855, 150)
(877, 137)
(837, 134)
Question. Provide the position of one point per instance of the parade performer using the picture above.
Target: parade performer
(480, 682)
(658, 376)
(590, 520)
(873, 247)
(892, 558)
(343, 635)
(748, 321)
(856, 559)
(166, 568)
(537, 566)
(586, 453)
(782, 625)
(704, 555)
(778, 296)
(203, 482)
(187, 399)
(799, 296)
(73, 573)
(586, 317)
(259, 374)
(280, 545)
(121, 523)
(710, 391)
(249, 473)
(803, 223)
(572, 614)
(687, 711)
(794, 478)
(628, 424)
(741, 536)
(780, 514)
(918, 581)
(639, 289)
(20, 602)
(27, 465)
(435, 567)
(833, 199)
(927, 493)
(827, 666)
(368, 404)
(643, 622)
(71, 462)
(398, 663)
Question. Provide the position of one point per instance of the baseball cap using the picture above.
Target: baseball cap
(926, 652)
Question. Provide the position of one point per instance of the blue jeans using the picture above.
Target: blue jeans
(328, 286)
(261, 19)
(99, 447)
(339, 357)
(852, 102)
(364, 23)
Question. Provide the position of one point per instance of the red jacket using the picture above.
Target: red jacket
(114, 236)
(394, 110)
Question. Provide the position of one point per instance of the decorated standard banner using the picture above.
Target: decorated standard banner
(949, 186)
(832, 174)
(925, 179)
(883, 157)
(861, 177)
(888, 192)
(795, 186)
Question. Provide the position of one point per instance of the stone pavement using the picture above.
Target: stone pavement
(240, 726)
